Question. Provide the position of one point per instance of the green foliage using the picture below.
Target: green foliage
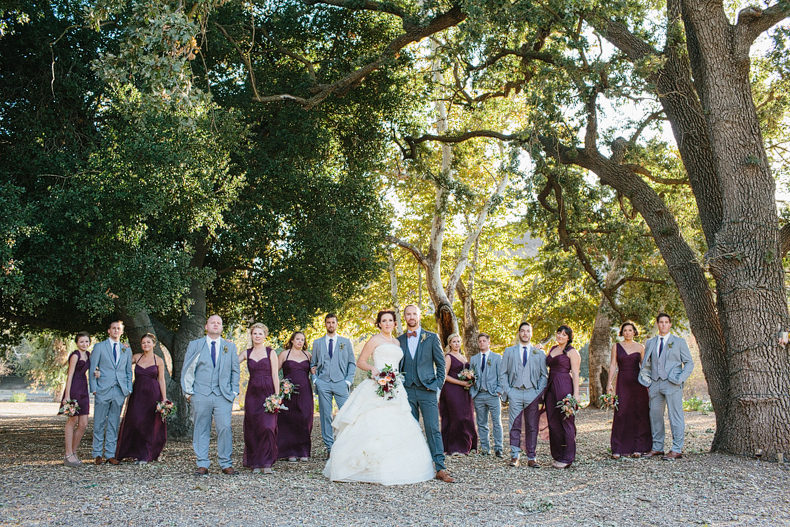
(18, 397)
(695, 404)
(41, 359)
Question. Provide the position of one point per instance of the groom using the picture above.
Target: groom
(333, 366)
(210, 380)
(423, 369)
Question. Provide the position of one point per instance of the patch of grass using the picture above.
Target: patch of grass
(18, 397)
(537, 506)
(695, 404)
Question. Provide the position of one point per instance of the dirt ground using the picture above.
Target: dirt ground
(701, 489)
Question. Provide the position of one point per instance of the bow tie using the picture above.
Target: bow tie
(411, 334)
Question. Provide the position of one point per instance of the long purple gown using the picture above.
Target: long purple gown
(562, 432)
(457, 412)
(631, 423)
(295, 425)
(260, 427)
(79, 384)
(143, 434)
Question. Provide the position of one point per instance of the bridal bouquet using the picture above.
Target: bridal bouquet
(69, 408)
(287, 389)
(165, 409)
(273, 404)
(387, 381)
(608, 401)
(568, 406)
(467, 375)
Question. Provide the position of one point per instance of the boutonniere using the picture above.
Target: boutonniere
(124, 347)
(488, 362)
(225, 349)
(342, 346)
(670, 344)
(423, 337)
(534, 351)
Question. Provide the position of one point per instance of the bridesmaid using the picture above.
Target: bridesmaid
(295, 426)
(143, 434)
(456, 409)
(77, 388)
(260, 427)
(631, 424)
(563, 363)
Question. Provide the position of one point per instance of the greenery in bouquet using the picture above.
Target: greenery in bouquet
(69, 408)
(387, 381)
(568, 406)
(165, 409)
(608, 401)
(273, 404)
(468, 375)
(287, 389)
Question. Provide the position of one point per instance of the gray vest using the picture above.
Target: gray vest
(207, 376)
(522, 375)
(331, 370)
(661, 363)
(410, 370)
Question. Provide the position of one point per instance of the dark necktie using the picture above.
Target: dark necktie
(115, 352)
(482, 364)
(330, 348)
(524, 360)
(661, 347)
(214, 353)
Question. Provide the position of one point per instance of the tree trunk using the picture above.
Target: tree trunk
(471, 328)
(394, 291)
(600, 351)
(745, 259)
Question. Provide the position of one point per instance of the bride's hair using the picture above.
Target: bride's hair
(382, 313)
(451, 337)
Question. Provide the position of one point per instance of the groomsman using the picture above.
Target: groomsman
(666, 366)
(486, 393)
(524, 377)
(110, 383)
(210, 380)
(333, 366)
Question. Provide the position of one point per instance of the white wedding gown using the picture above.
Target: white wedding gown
(378, 440)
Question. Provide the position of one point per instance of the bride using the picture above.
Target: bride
(377, 440)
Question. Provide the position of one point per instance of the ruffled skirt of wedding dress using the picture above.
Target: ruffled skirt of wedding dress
(378, 440)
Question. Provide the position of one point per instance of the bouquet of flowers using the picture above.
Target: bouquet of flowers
(287, 389)
(274, 403)
(608, 401)
(69, 408)
(568, 406)
(467, 375)
(387, 381)
(165, 409)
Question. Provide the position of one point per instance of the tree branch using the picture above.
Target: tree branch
(245, 58)
(281, 49)
(784, 239)
(31, 321)
(366, 5)
(627, 279)
(452, 139)
(752, 21)
(414, 250)
(413, 33)
(634, 47)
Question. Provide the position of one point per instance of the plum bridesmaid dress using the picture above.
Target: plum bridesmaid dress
(631, 424)
(562, 431)
(457, 413)
(143, 434)
(295, 425)
(260, 427)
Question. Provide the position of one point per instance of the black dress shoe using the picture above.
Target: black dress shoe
(498, 453)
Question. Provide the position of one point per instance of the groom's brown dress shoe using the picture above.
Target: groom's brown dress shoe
(514, 462)
(531, 463)
(444, 476)
(201, 471)
(672, 456)
(653, 453)
(230, 471)
(113, 461)
(98, 460)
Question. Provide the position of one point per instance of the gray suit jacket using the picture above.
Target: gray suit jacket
(110, 373)
(536, 362)
(677, 361)
(227, 362)
(492, 373)
(342, 349)
(429, 357)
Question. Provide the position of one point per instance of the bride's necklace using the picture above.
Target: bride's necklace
(390, 339)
